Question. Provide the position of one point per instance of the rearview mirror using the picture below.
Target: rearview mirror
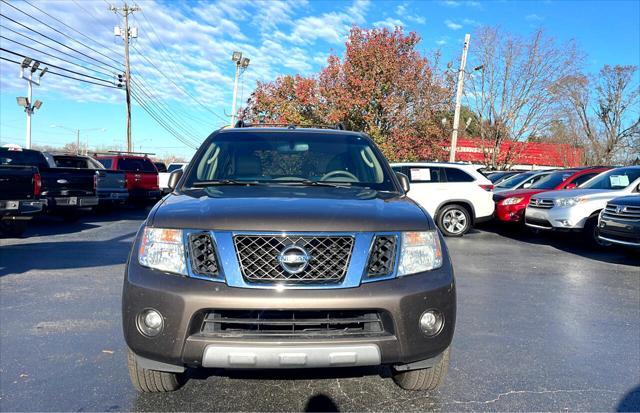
(404, 181)
(174, 178)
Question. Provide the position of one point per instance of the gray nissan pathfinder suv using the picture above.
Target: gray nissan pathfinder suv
(288, 248)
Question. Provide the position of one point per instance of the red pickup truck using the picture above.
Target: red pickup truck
(140, 173)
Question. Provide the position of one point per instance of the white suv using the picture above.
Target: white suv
(578, 209)
(455, 195)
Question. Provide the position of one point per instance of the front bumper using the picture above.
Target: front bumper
(510, 213)
(20, 208)
(619, 231)
(556, 218)
(182, 301)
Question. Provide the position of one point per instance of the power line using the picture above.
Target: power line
(54, 56)
(54, 49)
(61, 44)
(162, 123)
(158, 101)
(63, 75)
(165, 110)
(66, 25)
(58, 31)
(57, 67)
(174, 84)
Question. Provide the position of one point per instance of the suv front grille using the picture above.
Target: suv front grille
(382, 256)
(627, 212)
(328, 258)
(292, 323)
(541, 203)
(203, 255)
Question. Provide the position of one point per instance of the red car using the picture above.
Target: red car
(140, 173)
(510, 205)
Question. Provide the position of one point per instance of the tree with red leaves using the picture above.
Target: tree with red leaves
(382, 86)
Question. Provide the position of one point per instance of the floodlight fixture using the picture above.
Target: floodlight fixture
(481, 67)
(35, 66)
(244, 63)
(236, 56)
(43, 71)
(22, 101)
(26, 62)
(37, 104)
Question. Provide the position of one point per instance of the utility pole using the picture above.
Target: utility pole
(27, 102)
(456, 114)
(241, 64)
(126, 32)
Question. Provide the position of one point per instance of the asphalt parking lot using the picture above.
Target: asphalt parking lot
(543, 324)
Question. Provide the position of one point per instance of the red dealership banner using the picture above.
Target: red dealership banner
(522, 153)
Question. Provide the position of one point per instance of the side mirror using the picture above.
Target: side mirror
(572, 185)
(174, 178)
(404, 181)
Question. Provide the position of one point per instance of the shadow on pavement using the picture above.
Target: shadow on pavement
(19, 258)
(573, 243)
(321, 403)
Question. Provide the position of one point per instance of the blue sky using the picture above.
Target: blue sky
(191, 43)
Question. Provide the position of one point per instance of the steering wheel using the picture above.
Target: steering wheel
(339, 172)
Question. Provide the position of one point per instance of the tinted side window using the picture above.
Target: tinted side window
(424, 174)
(584, 178)
(457, 175)
(173, 167)
(106, 163)
(161, 167)
(23, 158)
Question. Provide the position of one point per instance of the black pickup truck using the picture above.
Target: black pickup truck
(64, 189)
(19, 197)
(111, 186)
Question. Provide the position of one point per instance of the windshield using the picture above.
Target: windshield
(614, 179)
(552, 180)
(515, 180)
(301, 158)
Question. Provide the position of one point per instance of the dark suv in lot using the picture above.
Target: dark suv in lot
(288, 248)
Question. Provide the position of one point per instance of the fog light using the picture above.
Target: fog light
(150, 322)
(431, 322)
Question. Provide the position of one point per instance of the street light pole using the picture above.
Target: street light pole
(28, 109)
(27, 102)
(456, 114)
(241, 65)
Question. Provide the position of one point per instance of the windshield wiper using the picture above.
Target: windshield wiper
(201, 184)
(309, 182)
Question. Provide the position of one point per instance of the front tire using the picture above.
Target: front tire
(591, 234)
(152, 381)
(428, 379)
(454, 220)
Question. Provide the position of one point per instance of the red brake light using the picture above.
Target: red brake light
(487, 187)
(37, 185)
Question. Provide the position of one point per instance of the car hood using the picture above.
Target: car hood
(629, 200)
(586, 193)
(289, 208)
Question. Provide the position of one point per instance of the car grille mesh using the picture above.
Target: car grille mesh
(541, 203)
(626, 212)
(258, 258)
(382, 256)
(297, 323)
(203, 255)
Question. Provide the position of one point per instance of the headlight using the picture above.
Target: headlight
(568, 202)
(421, 251)
(162, 249)
(512, 201)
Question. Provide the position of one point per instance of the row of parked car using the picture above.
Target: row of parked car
(603, 202)
(34, 182)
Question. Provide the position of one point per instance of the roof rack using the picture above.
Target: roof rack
(243, 124)
(145, 154)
